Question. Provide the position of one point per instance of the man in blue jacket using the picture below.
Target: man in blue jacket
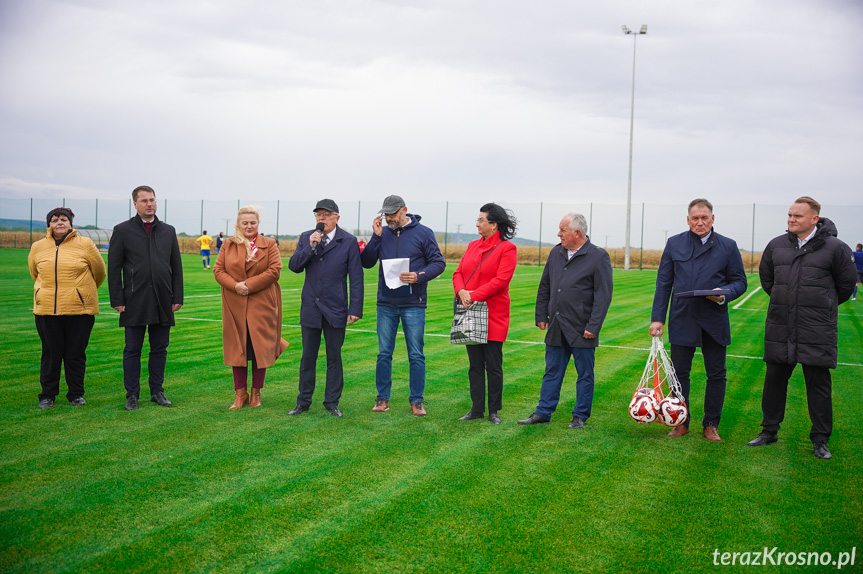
(698, 259)
(402, 298)
(329, 257)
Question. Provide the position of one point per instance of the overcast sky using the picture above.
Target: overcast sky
(740, 101)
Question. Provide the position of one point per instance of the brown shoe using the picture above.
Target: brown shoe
(678, 432)
(418, 410)
(255, 400)
(242, 395)
(711, 434)
(381, 406)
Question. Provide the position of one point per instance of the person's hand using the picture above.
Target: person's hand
(408, 277)
(656, 329)
(352, 319)
(241, 289)
(465, 298)
(716, 298)
(176, 307)
(315, 238)
(589, 335)
(542, 325)
(378, 225)
(120, 309)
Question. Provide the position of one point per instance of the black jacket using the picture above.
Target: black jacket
(805, 286)
(145, 273)
(574, 295)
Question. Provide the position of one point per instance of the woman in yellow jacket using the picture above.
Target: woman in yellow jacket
(68, 270)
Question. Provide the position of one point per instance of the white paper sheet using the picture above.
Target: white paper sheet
(392, 269)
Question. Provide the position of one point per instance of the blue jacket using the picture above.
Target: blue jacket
(416, 242)
(325, 289)
(686, 265)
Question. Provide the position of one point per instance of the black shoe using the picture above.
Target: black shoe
(533, 420)
(298, 410)
(159, 399)
(493, 418)
(131, 404)
(576, 423)
(46, 403)
(334, 411)
(78, 402)
(471, 416)
(819, 449)
(763, 438)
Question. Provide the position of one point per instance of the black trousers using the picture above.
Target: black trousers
(64, 341)
(485, 359)
(819, 388)
(714, 368)
(334, 338)
(159, 336)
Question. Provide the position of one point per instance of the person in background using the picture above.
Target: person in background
(219, 240)
(248, 270)
(484, 274)
(695, 260)
(204, 243)
(807, 274)
(571, 304)
(404, 238)
(145, 283)
(330, 258)
(858, 262)
(67, 271)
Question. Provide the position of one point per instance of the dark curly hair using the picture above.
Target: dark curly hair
(505, 219)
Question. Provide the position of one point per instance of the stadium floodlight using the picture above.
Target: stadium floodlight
(631, 125)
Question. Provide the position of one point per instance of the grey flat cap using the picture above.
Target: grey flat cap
(392, 204)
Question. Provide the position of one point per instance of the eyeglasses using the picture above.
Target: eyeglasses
(482, 220)
(324, 213)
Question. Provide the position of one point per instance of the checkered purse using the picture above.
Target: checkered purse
(469, 324)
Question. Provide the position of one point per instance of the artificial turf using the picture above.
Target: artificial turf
(198, 488)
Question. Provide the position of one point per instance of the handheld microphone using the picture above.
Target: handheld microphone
(320, 229)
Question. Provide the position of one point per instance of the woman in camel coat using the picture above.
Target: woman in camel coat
(248, 269)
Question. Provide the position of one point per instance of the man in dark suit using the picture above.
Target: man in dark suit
(145, 284)
(330, 258)
(572, 300)
(698, 259)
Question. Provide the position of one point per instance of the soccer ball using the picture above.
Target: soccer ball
(672, 411)
(644, 406)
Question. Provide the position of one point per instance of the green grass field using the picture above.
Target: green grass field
(197, 488)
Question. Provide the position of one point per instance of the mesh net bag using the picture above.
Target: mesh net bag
(658, 396)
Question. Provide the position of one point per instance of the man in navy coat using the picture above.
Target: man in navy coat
(698, 259)
(330, 258)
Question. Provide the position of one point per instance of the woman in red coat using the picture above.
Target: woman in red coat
(484, 274)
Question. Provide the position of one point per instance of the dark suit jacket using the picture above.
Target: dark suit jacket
(325, 290)
(574, 295)
(686, 265)
(145, 273)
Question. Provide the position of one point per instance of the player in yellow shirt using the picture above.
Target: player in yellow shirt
(204, 242)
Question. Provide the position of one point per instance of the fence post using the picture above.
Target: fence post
(590, 221)
(31, 221)
(202, 216)
(359, 207)
(166, 211)
(539, 257)
(752, 250)
(641, 249)
(277, 218)
(445, 230)
(97, 213)
(130, 209)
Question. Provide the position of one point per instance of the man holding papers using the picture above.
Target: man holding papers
(410, 258)
(695, 261)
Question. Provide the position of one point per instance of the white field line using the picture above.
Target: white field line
(745, 299)
(446, 335)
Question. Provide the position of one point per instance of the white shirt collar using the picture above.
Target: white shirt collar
(706, 237)
(802, 242)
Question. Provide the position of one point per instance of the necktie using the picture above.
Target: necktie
(324, 241)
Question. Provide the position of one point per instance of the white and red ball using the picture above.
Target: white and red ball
(644, 407)
(672, 411)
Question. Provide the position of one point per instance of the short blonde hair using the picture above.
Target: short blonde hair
(238, 232)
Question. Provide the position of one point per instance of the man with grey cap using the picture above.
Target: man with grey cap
(409, 258)
(331, 259)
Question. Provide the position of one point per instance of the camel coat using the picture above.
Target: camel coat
(261, 310)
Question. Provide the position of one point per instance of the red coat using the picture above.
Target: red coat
(490, 283)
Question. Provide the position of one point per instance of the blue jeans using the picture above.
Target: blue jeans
(413, 321)
(556, 360)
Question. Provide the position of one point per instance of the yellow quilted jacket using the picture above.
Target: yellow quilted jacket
(67, 276)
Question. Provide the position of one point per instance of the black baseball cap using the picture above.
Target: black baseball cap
(328, 205)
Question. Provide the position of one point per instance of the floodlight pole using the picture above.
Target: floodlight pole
(631, 126)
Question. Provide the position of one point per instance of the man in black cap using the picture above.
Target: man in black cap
(145, 284)
(403, 299)
(330, 257)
